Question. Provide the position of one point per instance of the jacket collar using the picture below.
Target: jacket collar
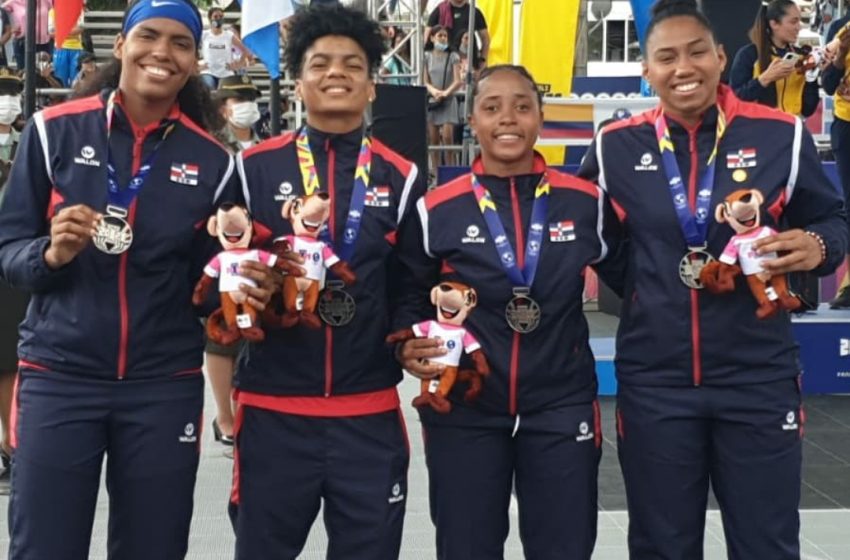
(347, 141)
(123, 120)
(538, 167)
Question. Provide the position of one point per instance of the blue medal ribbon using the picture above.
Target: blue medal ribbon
(121, 199)
(534, 243)
(694, 225)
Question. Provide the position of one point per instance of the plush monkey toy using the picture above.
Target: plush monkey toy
(308, 214)
(453, 301)
(742, 211)
(233, 227)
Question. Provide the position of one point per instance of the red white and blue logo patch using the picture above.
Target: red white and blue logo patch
(185, 173)
(378, 197)
(563, 231)
(742, 159)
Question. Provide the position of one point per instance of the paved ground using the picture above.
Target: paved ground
(826, 496)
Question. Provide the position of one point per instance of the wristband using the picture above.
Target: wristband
(817, 237)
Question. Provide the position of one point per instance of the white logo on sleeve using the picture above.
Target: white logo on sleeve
(188, 434)
(646, 163)
(790, 421)
(87, 155)
(396, 496)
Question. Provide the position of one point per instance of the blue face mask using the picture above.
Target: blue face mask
(441, 46)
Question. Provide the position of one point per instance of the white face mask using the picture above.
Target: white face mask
(10, 108)
(244, 114)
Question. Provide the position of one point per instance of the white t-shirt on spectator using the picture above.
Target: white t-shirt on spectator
(217, 52)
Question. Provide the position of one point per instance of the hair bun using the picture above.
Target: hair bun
(662, 6)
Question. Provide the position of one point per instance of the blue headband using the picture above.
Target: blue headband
(178, 10)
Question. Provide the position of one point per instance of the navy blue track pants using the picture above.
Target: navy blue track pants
(745, 440)
(149, 431)
(287, 465)
(551, 457)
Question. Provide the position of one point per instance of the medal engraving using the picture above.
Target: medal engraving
(522, 312)
(114, 235)
(690, 267)
(336, 307)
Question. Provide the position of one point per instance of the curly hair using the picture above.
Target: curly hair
(194, 99)
(316, 22)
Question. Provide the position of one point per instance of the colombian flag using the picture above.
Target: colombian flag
(567, 121)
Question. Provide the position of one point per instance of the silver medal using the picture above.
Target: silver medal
(522, 312)
(114, 234)
(691, 265)
(336, 307)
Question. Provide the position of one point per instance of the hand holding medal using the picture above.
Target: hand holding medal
(70, 231)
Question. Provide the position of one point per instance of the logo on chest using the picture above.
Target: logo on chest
(646, 163)
(562, 232)
(378, 197)
(473, 235)
(87, 155)
(741, 159)
(185, 174)
(285, 192)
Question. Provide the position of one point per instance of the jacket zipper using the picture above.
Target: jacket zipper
(138, 143)
(520, 259)
(695, 338)
(329, 370)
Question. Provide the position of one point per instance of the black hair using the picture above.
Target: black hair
(760, 31)
(320, 21)
(213, 10)
(194, 99)
(437, 28)
(665, 9)
(516, 69)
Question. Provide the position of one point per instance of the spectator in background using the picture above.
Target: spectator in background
(5, 35)
(442, 79)
(242, 57)
(66, 56)
(397, 63)
(836, 81)
(45, 78)
(18, 10)
(217, 45)
(453, 15)
(86, 68)
(761, 72)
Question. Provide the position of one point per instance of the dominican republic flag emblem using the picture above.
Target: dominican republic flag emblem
(559, 232)
(743, 158)
(378, 197)
(184, 174)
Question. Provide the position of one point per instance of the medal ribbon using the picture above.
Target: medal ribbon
(310, 178)
(694, 226)
(118, 197)
(524, 277)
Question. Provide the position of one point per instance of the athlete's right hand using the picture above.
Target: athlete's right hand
(71, 229)
(413, 355)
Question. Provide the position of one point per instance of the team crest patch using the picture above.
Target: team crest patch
(742, 159)
(378, 197)
(185, 173)
(563, 231)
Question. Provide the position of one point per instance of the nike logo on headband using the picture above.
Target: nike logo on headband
(162, 3)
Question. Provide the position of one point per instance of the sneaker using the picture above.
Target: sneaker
(842, 299)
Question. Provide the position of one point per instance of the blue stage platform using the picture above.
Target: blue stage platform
(824, 338)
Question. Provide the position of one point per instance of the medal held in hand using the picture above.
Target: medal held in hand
(336, 306)
(694, 225)
(114, 234)
(522, 313)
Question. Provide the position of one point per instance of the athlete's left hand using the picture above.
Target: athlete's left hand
(798, 252)
(264, 277)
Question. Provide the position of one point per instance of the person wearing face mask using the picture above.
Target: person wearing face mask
(217, 47)
(237, 97)
(765, 71)
(12, 302)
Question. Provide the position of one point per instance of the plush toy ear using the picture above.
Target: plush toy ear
(435, 291)
(290, 207)
(757, 195)
(720, 213)
(471, 298)
(212, 226)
